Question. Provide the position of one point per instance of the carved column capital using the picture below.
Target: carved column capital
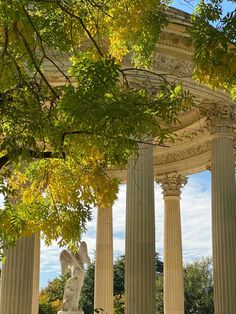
(221, 120)
(172, 185)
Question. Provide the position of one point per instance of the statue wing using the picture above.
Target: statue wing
(66, 261)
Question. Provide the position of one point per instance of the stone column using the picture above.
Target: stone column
(20, 278)
(223, 212)
(103, 290)
(173, 261)
(140, 235)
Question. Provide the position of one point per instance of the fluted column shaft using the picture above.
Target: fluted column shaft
(173, 260)
(20, 278)
(223, 214)
(140, 235)
(103, 290)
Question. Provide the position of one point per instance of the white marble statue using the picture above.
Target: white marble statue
(74, 262)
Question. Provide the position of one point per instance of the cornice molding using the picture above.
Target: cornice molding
(182, 155)
(171, 39)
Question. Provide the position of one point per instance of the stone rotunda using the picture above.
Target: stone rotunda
(204, 138)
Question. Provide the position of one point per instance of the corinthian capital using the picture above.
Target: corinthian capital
(172, 185)
(222, 119)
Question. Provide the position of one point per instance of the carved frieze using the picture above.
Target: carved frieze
(173, 65)
(175, 156)
(186, 136)
(176, 40)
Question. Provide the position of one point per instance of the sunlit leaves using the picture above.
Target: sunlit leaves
(94, 75)
(134, 26)
(215, 50)
(55, 196)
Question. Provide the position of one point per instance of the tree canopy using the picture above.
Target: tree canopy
(58, 139)
(198, 289)
(50, 298)
(215, 47)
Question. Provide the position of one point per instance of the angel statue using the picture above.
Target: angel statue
(75, 263)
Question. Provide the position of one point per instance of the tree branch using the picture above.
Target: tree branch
(64, 9)
(160, 75)
(41, 45)
(4, 160)
(19, 33)
(6, 41)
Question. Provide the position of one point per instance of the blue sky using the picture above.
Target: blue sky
(188, 5)
(196, 226)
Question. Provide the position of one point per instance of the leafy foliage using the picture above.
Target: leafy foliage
(119, 275)
(50, 298)
(160, 294)
(87, 293)
(215, 49)
(119, 304)
(57, 140)
(198, 286)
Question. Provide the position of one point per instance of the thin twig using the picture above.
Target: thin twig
(162, 76)
(83, 26)
(42, 47)
(6, 41)
(19, 33)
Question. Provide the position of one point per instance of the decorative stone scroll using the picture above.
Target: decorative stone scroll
(172, 184)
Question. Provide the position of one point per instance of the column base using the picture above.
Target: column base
(71, 312)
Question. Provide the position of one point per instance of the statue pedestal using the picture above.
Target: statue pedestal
(71, 312)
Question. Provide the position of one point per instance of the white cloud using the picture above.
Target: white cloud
(196, 226)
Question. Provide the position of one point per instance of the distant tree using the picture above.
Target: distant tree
(119, 273)
(51, 296)
(119, 278)
(159, 294)
(198, 288)
(45, 307)
(87, 293)
(159, 264)
(198, 285)
(119, 304)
